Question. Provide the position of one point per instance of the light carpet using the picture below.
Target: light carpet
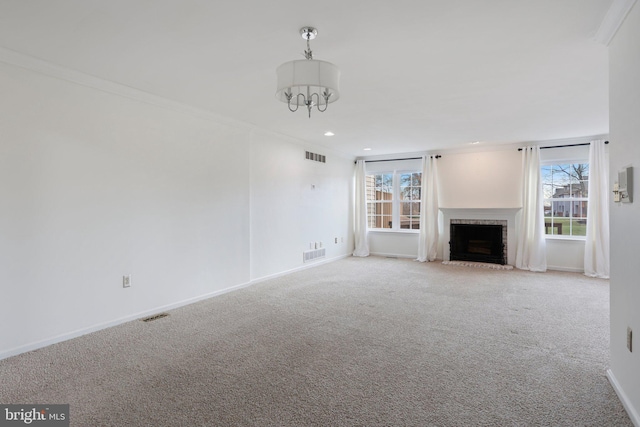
(357, 342)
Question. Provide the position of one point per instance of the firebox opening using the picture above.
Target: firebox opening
(477, 242)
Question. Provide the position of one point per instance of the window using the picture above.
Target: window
(565, 187)
(393, 200)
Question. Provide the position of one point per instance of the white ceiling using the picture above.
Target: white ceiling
(417, 75)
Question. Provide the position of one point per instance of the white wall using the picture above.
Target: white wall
(624, 62)
(95, 185)
(480, 180)
(565, 255)
(294, 202)
(400, 244)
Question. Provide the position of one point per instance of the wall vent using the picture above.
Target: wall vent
(315, 157)
(154, 317)
(313, 254)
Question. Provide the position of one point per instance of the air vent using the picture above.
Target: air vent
(313, 254)
(315, 157)
(154, 317)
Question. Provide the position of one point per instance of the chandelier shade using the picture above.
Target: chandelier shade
(308, 82)
(306, 77)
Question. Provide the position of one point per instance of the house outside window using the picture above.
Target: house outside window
(393, 200)
(566, 188)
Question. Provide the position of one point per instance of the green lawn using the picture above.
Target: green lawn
(575, 228)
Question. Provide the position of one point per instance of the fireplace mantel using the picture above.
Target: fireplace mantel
(508, 214)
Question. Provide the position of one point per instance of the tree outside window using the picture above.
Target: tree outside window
(410, 185)
(380, 200)
(565, 188)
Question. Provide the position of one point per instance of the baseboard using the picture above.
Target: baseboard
(631, 411)
(84, 331)
(302, 267)
(567, 269)
(393, 255)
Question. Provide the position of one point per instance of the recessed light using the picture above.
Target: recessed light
(367, 149)
(329, 133)
(475, 142)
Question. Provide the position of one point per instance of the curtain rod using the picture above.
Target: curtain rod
(562, 146)
(392, 160)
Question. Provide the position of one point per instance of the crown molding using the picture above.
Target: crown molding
(612, 20)
(49, 69)
(36, 65)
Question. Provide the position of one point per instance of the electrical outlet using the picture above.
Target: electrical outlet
(126, 281)
(629, 339)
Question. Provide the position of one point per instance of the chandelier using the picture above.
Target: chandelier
(308, 82)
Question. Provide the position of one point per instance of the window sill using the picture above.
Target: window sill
(569, 238)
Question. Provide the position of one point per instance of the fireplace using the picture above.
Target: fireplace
(478, 240)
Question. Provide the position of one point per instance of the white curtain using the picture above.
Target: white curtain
(596, 250)
(530, 248)
(428, 239)
(360, 228)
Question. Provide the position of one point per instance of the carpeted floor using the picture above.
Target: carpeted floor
(357, 342)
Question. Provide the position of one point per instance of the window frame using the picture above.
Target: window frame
(396, 201)
(571, 200)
